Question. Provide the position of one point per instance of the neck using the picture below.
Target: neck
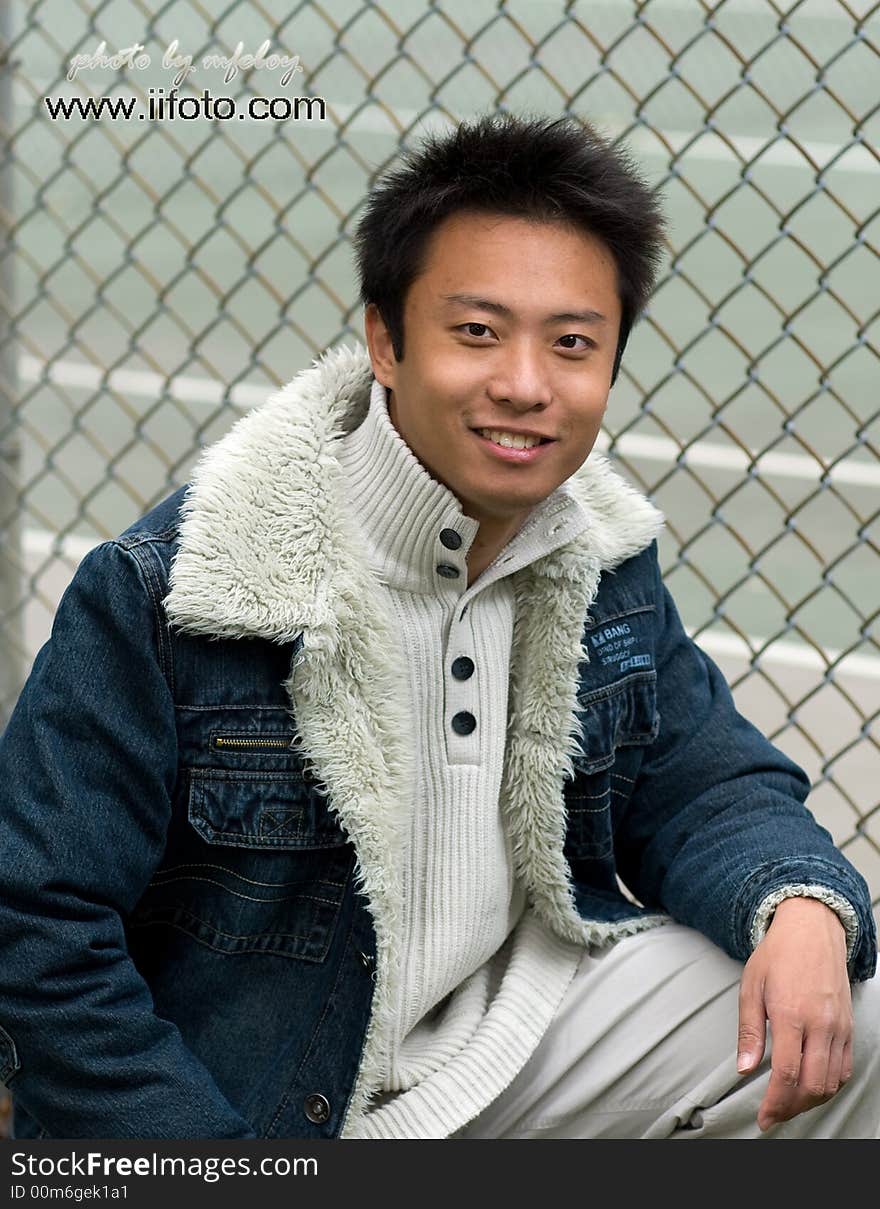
(492, 536)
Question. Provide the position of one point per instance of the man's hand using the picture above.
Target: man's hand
(796, 979)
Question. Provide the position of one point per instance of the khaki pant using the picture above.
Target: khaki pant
(644, 1046)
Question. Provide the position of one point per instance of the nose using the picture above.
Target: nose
(520, 377)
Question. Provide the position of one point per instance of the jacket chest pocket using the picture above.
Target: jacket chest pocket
(261, 866)
(616, 723)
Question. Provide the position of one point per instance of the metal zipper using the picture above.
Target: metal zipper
(241, 743)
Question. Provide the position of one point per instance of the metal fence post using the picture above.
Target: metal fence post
(11, 644)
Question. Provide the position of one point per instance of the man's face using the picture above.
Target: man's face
(511, 327)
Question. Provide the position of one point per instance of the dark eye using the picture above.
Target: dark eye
(476, 329)
(568, 341)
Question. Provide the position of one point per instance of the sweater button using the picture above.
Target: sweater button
(317, 1108)
(450, 539)
(463, 723)
(462, 667)
(448, 571)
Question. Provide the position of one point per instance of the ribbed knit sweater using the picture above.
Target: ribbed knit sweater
(481, 976)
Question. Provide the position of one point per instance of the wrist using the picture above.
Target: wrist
(806, 893)
(804, 908)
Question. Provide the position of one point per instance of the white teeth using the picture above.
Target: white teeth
(509, 440)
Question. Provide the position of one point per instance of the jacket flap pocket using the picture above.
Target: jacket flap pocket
(622, 714)
(257, 810)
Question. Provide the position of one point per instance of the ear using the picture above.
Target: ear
(379, 343)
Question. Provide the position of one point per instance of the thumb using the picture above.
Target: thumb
(752, 1023)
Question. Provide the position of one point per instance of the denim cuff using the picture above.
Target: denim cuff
(842, 907)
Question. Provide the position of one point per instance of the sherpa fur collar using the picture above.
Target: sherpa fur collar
(269, 548)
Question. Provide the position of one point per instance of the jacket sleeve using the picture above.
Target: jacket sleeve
(87, 768)
(716, 831)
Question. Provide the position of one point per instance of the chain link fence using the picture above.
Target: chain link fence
(161, 273)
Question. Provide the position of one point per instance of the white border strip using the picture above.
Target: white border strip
(787, 654)
(142, 383)
(724, 457)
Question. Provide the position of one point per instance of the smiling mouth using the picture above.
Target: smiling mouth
(507, 440)
(524, 452)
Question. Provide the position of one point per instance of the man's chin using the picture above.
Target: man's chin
(503, 509)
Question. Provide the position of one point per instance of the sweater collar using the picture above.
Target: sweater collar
(402, 511)
(269, 545)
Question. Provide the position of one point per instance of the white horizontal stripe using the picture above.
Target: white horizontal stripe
(649, 142)
(782, 154)
(39, 543)
(787, 654)
(724, 457)
(182, 387)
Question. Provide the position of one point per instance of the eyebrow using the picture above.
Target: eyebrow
(498, 308)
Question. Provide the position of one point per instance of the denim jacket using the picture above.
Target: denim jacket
(206, 780)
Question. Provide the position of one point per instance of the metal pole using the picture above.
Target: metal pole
(11, 644)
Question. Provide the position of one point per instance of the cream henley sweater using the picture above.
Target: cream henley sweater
(481, 976)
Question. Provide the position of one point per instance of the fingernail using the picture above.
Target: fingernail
(743, 1061)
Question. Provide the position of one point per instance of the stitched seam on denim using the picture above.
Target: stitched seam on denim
(237, 894)
(324, 881)
(163, 642)
(285, 1099)
(634, 611)
(238, 775)
(266, 843)
(278, 819)
(185, 911)
(168, 923)
(211, 709)
(145, 539)
(162, 639)
(617, 688)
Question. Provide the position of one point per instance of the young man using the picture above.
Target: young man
(355, 780)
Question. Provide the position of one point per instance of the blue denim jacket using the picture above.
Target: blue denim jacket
(197, 842)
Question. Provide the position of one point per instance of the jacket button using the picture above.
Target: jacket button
(366, 960)
(317, 1108)
(462, 667)
(463, 723)
(450, 539)
(448, 571)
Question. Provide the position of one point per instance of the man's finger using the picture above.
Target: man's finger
(814, 1074)
(846, 1062)
(785, 1069)
(751, 1037)
(834, 1079)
